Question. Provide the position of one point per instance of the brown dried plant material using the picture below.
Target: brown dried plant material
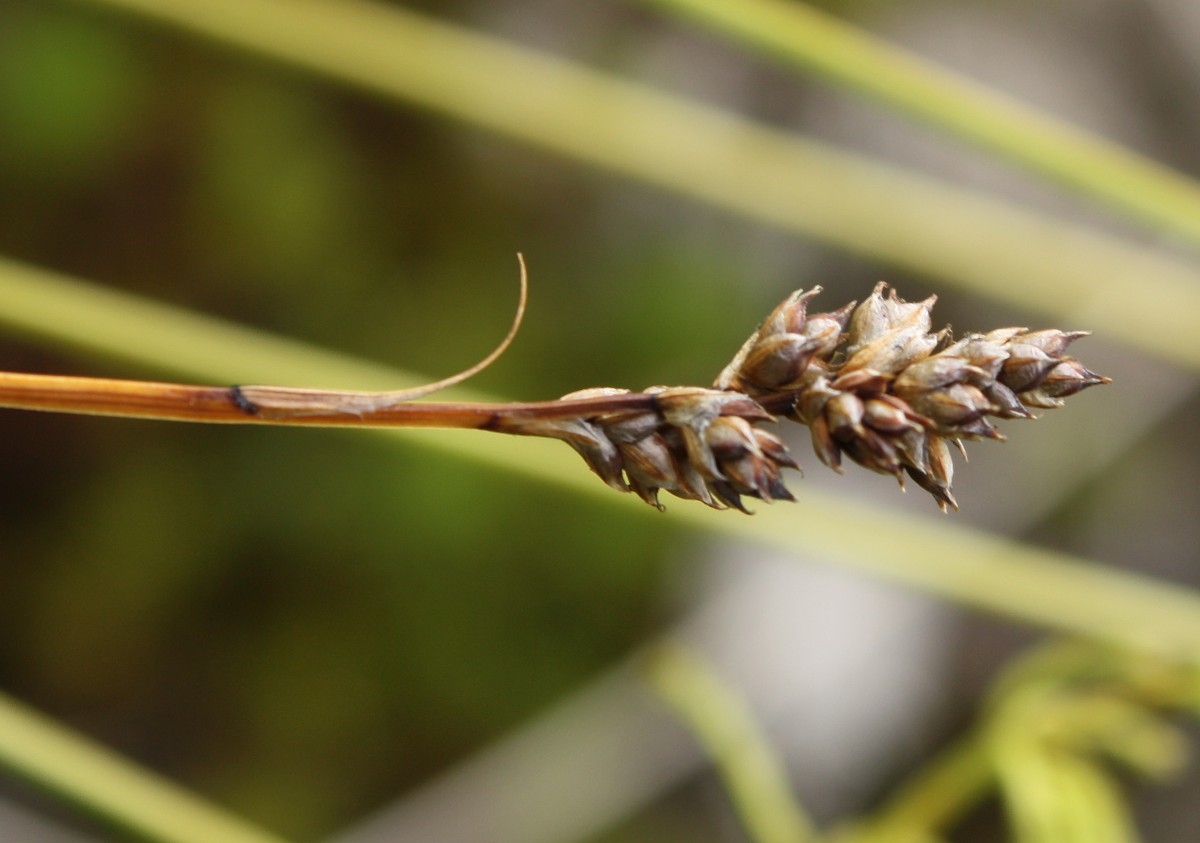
(696, 444)
(872, 382)
(893, 396)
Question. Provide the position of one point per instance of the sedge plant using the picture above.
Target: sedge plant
(871, 381)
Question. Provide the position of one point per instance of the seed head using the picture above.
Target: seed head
(872, 382)
(893, 396)
(694, 443)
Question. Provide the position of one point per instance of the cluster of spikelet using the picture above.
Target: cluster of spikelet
(871, 382)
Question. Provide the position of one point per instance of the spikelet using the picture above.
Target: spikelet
(696, 444)
(886, 397)
(872, 382)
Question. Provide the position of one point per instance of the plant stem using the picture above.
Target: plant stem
(110, 787)
(283, 406)
(754, 776)
(941, 792)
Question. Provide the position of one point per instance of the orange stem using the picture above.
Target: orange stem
(280, 406)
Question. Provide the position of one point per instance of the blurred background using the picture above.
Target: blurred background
(340, 641)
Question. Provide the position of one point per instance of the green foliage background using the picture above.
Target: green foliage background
(301, 625)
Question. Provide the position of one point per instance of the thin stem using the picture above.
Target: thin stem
(111, 787)
(397, 396)
(943, 791)
(282, 406)
(754, 776)
(313, 407)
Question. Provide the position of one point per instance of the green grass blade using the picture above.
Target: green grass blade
(115, 789)
(1031, 260)
(70, 313)
(941, 792)
(812, 40)
(754, 775)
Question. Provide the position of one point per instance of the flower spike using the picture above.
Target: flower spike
(871, 381)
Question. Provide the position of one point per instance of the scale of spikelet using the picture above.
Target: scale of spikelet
(870, 382)
(696, 444)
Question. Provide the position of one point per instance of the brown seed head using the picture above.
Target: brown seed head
(889, 398)
(694, 443)
(872, 382)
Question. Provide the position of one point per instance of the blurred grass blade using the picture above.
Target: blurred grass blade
(942, 791)
(1031, 260)
(813, 40)
(1029, 788)
(1093, 807)
(1030, 584)
(753, 775)
(70, 313)
(1140, 739)
(989, 572)
(110, 787)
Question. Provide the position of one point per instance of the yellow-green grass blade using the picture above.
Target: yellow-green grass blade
(812, 40)
(1044, 265)
(754, 776)
(109, 786)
